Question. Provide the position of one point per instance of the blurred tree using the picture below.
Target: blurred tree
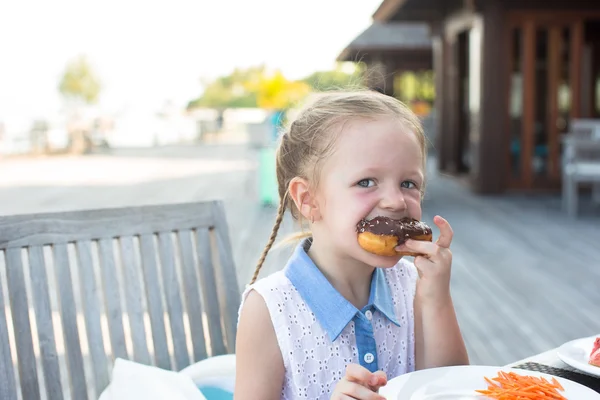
(79, 82)
(251, 87)
(276, 92)
(236, 90)
(80, 87)
(416, 89)
(411, 86)
(343, 76)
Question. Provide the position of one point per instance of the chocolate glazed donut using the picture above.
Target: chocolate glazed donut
(381, 235)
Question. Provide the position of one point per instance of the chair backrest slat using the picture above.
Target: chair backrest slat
(209, 290)
(90, 288)
(69, 321)
(21, 324)
(114, 312)
(133, 297)
(43, 316)
(155, 306)
(155, 284)
(8, 388)
(172, 297)
(73, 226)
(229, 292)
(192, 294)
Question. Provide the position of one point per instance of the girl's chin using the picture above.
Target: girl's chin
(383, 261)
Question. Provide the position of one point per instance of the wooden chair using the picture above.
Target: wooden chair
(581, 164)
(152, 284)
(585, 128)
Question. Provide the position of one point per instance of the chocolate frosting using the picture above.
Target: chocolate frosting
(403, 229)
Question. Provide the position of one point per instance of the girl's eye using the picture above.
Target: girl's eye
(366, 183)
(408, 185)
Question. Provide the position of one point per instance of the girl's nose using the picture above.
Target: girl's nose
(393, 200)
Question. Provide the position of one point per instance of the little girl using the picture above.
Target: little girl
(338, 322)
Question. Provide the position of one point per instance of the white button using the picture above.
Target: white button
(369, 315)
(369, 358)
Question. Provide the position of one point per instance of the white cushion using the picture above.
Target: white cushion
(217, 371)
(134, 381)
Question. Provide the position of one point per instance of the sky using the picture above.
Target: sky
(148, 52)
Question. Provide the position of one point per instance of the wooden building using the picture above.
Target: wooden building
(510, 76)
(388, 49)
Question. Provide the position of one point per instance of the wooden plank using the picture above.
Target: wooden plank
(8, 389)
(155, 307)
(174, 305)
(518, 286)
(528, 248)
(226, 277)
(68, 318)
(112, 298)
(575, 54)
(55, 228)
(30, 388)
(91, 308)
(43, 316)
(553, 66)
(528, 54)
(133, 297)
(209, 292)
(508, 312)
(191, 294)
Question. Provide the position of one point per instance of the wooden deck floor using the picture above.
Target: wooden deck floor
(525, 277)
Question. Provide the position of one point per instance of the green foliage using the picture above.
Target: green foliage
(237, 89)
(79, 82)
(257, 87)
(411, 86)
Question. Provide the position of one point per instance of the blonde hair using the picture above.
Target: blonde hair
(311, 138)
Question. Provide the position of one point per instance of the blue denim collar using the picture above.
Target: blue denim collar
(331, 309)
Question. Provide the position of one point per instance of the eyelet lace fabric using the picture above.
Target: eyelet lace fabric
(313, 363)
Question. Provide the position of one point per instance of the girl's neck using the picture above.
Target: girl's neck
(348, 276)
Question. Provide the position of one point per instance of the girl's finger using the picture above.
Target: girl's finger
(381, 380)
(423, 264)
(342, 396)
(446, 232)
(381, 376)
(419, 246)
(359, 374)
(357, 391)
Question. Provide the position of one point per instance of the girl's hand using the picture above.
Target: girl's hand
(359, 384)
(434, 267)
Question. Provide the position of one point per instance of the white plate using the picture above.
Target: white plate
(460, 383)
(576, 353)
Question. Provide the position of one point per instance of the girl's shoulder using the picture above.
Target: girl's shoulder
(275, 290)
(269, 286)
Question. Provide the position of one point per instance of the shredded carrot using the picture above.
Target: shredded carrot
(512, 386)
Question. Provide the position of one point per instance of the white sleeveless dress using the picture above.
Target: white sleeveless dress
(317, 343)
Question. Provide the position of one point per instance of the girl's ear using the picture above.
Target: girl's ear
(299, 191)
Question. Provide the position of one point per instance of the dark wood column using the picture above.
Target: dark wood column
(451, 89)
(575, 72)
(488, 176)
(440, 62)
